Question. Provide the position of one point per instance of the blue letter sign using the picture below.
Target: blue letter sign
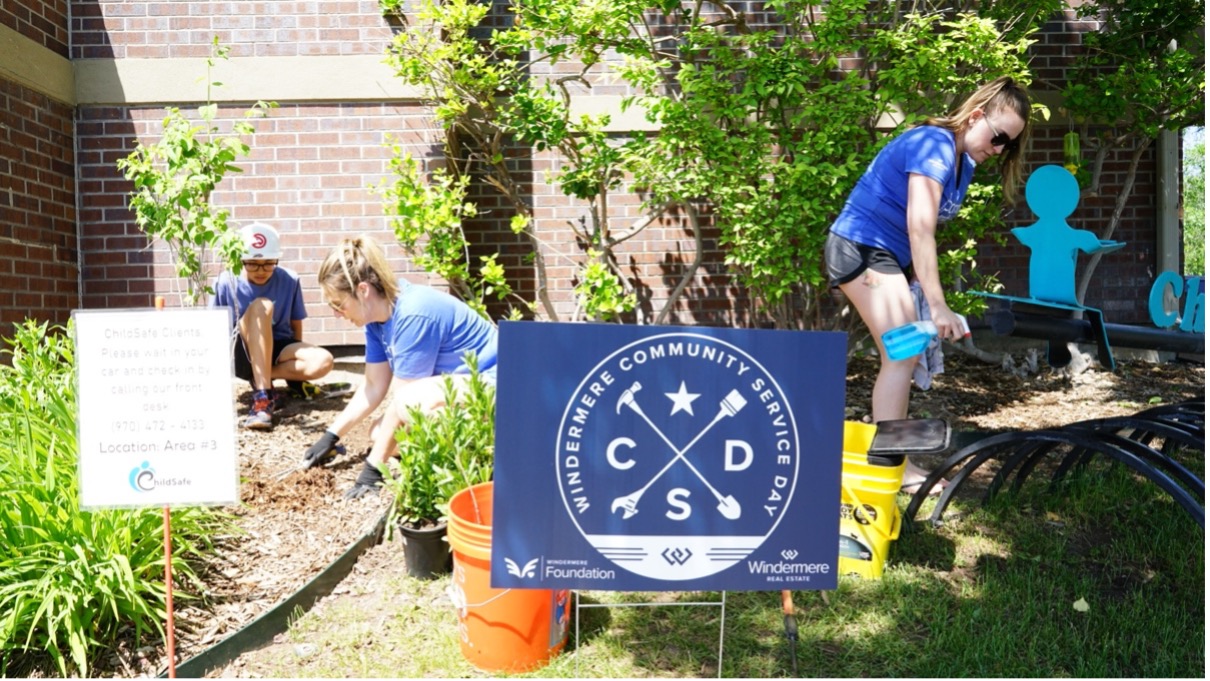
(643, 458)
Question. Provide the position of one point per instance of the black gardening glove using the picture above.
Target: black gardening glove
(322, 451)
(368, 481)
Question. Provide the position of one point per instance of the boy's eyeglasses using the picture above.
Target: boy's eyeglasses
(260, 266)
(1000, 139)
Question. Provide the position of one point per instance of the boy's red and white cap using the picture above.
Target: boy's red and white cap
(260, 242)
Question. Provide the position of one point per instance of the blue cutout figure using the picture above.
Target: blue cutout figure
(1052, 194)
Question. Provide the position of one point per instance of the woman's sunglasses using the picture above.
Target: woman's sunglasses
(1000, 139)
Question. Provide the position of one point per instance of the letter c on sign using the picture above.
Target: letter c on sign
(613, 446)
(1155, 302)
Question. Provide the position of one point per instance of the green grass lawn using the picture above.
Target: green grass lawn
(996, 591)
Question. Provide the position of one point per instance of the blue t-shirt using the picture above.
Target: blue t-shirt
(283, 288)
(428, 333)
(876, 211)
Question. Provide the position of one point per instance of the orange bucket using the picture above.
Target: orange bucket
(500, 630)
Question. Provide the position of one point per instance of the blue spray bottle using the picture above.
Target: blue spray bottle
(912, 339)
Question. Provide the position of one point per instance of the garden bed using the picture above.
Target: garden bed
(295, 527)
(289, 529)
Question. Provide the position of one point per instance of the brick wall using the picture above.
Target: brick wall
(156, 29)
(42, 21)
(309, 175)
(38, 249)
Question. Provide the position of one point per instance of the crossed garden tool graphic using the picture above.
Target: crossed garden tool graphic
(728, 406)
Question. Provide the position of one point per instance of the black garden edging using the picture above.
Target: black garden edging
(261, 630)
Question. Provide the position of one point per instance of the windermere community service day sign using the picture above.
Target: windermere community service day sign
(658, 458)
(155, 426)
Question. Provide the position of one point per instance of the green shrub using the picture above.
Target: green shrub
(444, 452)
(71, 582)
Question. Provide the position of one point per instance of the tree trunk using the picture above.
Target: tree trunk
(1118, 208)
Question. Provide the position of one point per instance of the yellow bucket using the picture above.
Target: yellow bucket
(869, 516)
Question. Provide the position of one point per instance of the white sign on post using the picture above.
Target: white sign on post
(156, 423)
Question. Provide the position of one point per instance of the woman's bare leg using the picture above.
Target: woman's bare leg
(884, 302)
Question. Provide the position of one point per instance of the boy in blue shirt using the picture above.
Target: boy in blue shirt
(267, 311)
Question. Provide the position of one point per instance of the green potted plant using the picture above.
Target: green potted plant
(440, 453)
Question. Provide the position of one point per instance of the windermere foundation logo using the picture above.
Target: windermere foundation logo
(656, 458)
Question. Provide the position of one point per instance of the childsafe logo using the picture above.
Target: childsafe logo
(677, 456)
(142, 477)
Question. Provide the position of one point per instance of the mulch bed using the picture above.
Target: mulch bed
(289, 529)
(293, 528)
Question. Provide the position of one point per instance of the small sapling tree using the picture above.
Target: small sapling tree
(173, 182)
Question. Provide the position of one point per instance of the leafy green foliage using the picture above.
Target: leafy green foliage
(1195, 208)
(173, 180)
(1144, 71)
(763, 117)
(444, 451)
(980, 218)
(426, 215)
(601, 290)
(464, 75)
(71, 582)
(776, 137)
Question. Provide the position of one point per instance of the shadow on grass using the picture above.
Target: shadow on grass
(1104, 576)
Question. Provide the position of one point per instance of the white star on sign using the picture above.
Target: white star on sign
(682, 400)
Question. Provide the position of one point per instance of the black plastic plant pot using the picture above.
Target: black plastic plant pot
(425, 551)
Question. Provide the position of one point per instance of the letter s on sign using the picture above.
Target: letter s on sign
(676, 499)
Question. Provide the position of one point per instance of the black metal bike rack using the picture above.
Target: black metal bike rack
(1127, 440)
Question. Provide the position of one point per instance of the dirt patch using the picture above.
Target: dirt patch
(293, 527)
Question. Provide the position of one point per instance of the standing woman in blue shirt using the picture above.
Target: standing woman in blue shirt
(886, 232)
(415, 336)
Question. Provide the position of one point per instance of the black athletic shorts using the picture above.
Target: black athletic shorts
(846, 259)
(243, 365)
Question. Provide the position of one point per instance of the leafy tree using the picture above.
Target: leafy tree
(775, 133)
(1195, 207)
(173, 180)
(1142, 72)
(767, 117)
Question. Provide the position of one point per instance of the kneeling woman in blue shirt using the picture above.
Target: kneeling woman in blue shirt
(415, 336)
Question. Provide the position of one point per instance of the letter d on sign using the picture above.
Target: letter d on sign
(730, 463)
